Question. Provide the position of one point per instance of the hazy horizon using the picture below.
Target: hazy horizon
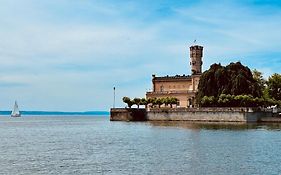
(56, 113)
(68, 55)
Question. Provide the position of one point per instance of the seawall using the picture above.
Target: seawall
(207, 114)
(246, 115)
(127, 114)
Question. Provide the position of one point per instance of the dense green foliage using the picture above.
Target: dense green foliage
(152, 101)
(234, 79)
(236, 86)
(237, 101)
(160, 101)
(259, 79)
(274, 86)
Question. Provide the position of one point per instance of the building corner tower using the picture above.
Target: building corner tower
(196, 54)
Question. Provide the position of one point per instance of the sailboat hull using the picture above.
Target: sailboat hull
(15, 115)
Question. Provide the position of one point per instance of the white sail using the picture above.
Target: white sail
(16, 111)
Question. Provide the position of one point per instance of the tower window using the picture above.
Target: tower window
(161, 88)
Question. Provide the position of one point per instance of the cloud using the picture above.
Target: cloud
(11, 84)
(70, 54)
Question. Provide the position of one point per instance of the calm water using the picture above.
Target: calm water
(94, 145)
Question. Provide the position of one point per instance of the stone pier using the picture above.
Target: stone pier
(215, 114)
(127, 114)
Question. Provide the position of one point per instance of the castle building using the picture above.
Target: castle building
(182, 87)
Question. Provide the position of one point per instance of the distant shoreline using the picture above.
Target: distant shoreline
(100, 113)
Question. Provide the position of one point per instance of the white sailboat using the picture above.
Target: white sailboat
(16, 111)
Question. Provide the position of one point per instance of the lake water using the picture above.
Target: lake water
(94, 145)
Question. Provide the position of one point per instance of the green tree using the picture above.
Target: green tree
(137, 102)
(259, 79)
(173, 101)
(265, 93)
(274, 86)
(151, 101)
(128, 101)
(144, 102)
(234, 79)
(159, 102)
(166, 101)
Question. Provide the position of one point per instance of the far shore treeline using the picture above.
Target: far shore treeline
(234, 85)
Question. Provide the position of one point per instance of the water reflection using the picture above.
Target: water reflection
(216, 125)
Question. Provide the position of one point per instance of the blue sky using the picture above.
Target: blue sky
(68, 55)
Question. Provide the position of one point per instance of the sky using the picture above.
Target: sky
(67, 55)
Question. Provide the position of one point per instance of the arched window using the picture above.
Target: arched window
(189, 102)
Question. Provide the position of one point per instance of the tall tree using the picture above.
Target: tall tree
(259, 78)
(234, 79)
(274, 86)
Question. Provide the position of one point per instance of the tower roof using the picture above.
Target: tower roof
(196, 47)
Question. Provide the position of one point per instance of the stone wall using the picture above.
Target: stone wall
(207, 114)
(190, 114)
(127, 114)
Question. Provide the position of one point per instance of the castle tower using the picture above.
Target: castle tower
(196, 54)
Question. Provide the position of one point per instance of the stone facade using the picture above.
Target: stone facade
(183, 87)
